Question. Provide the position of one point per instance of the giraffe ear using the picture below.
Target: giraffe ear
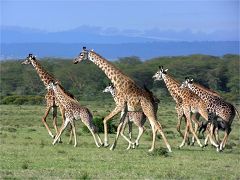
(92, 50)
(191, 80)
(166, 70)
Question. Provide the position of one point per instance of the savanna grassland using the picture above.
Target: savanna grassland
(27, 153)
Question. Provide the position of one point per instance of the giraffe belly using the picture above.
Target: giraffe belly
(194, 110)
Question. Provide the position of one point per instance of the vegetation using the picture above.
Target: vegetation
(19, 83)
(27, 153)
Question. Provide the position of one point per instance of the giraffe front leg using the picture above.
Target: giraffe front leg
(61, 130)
(74, 132)
(54, 108)
(185, 135)
(140, 132)
(119, 129)
(106, 119)
(195, 118)
(44, 121)
(130, 143)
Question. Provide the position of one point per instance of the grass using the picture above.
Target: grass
(27, 153)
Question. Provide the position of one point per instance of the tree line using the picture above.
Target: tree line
(20, 84)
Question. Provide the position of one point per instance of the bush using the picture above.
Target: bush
(98, 122)
(20, 100)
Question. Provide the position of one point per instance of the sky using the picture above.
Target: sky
(58, 15)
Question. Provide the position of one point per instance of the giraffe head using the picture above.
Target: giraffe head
(159, 74)
(110, 88)
(186, 83)
(28, 59)
(82, 56)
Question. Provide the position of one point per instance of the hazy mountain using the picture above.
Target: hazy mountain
(17, 42)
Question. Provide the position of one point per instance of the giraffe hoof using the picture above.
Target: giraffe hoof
(111, 148)
(106, 145)
(192, 144)
(129, 147)
(150, 150)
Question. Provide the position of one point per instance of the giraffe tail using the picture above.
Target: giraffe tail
(237, 112)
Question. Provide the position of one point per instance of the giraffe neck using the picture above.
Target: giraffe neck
(113, 73)
(204, 95)
(206, 90)
(63, 98)
(43, 74)
(173, 87)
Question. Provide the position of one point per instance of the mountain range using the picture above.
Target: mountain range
(17, 42)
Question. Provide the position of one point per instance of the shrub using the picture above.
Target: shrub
(98, 122)
(20, 100)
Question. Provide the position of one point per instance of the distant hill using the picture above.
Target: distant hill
(113, 51)
(17, 42)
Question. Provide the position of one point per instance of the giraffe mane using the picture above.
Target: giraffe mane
(63, 91)
(173, 79)
(66, 92)
(50, 76)
(116, 68)
(210, 91)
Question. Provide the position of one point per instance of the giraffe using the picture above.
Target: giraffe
(179, 109)
(74, 111)
(216, 105)
(129, 96)
(190, 103)
(51, 101)
(138, 118)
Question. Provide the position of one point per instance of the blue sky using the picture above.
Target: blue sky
(206, 15)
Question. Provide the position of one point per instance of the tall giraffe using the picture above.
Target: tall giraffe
(190, 103)
(51, 101)
(127, 92)
(216, 105)
(179, 109)
(74, 111)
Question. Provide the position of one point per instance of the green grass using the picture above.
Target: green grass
(26, 151)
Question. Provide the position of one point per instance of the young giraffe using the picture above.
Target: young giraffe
(138, 118)
(190, 103)
(127, 92)
(50, 98)
(216, 105)
(73, 111)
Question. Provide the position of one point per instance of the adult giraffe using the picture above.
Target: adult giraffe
(191, 103)
(216, 105)
(51, 101)
(127, 92)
